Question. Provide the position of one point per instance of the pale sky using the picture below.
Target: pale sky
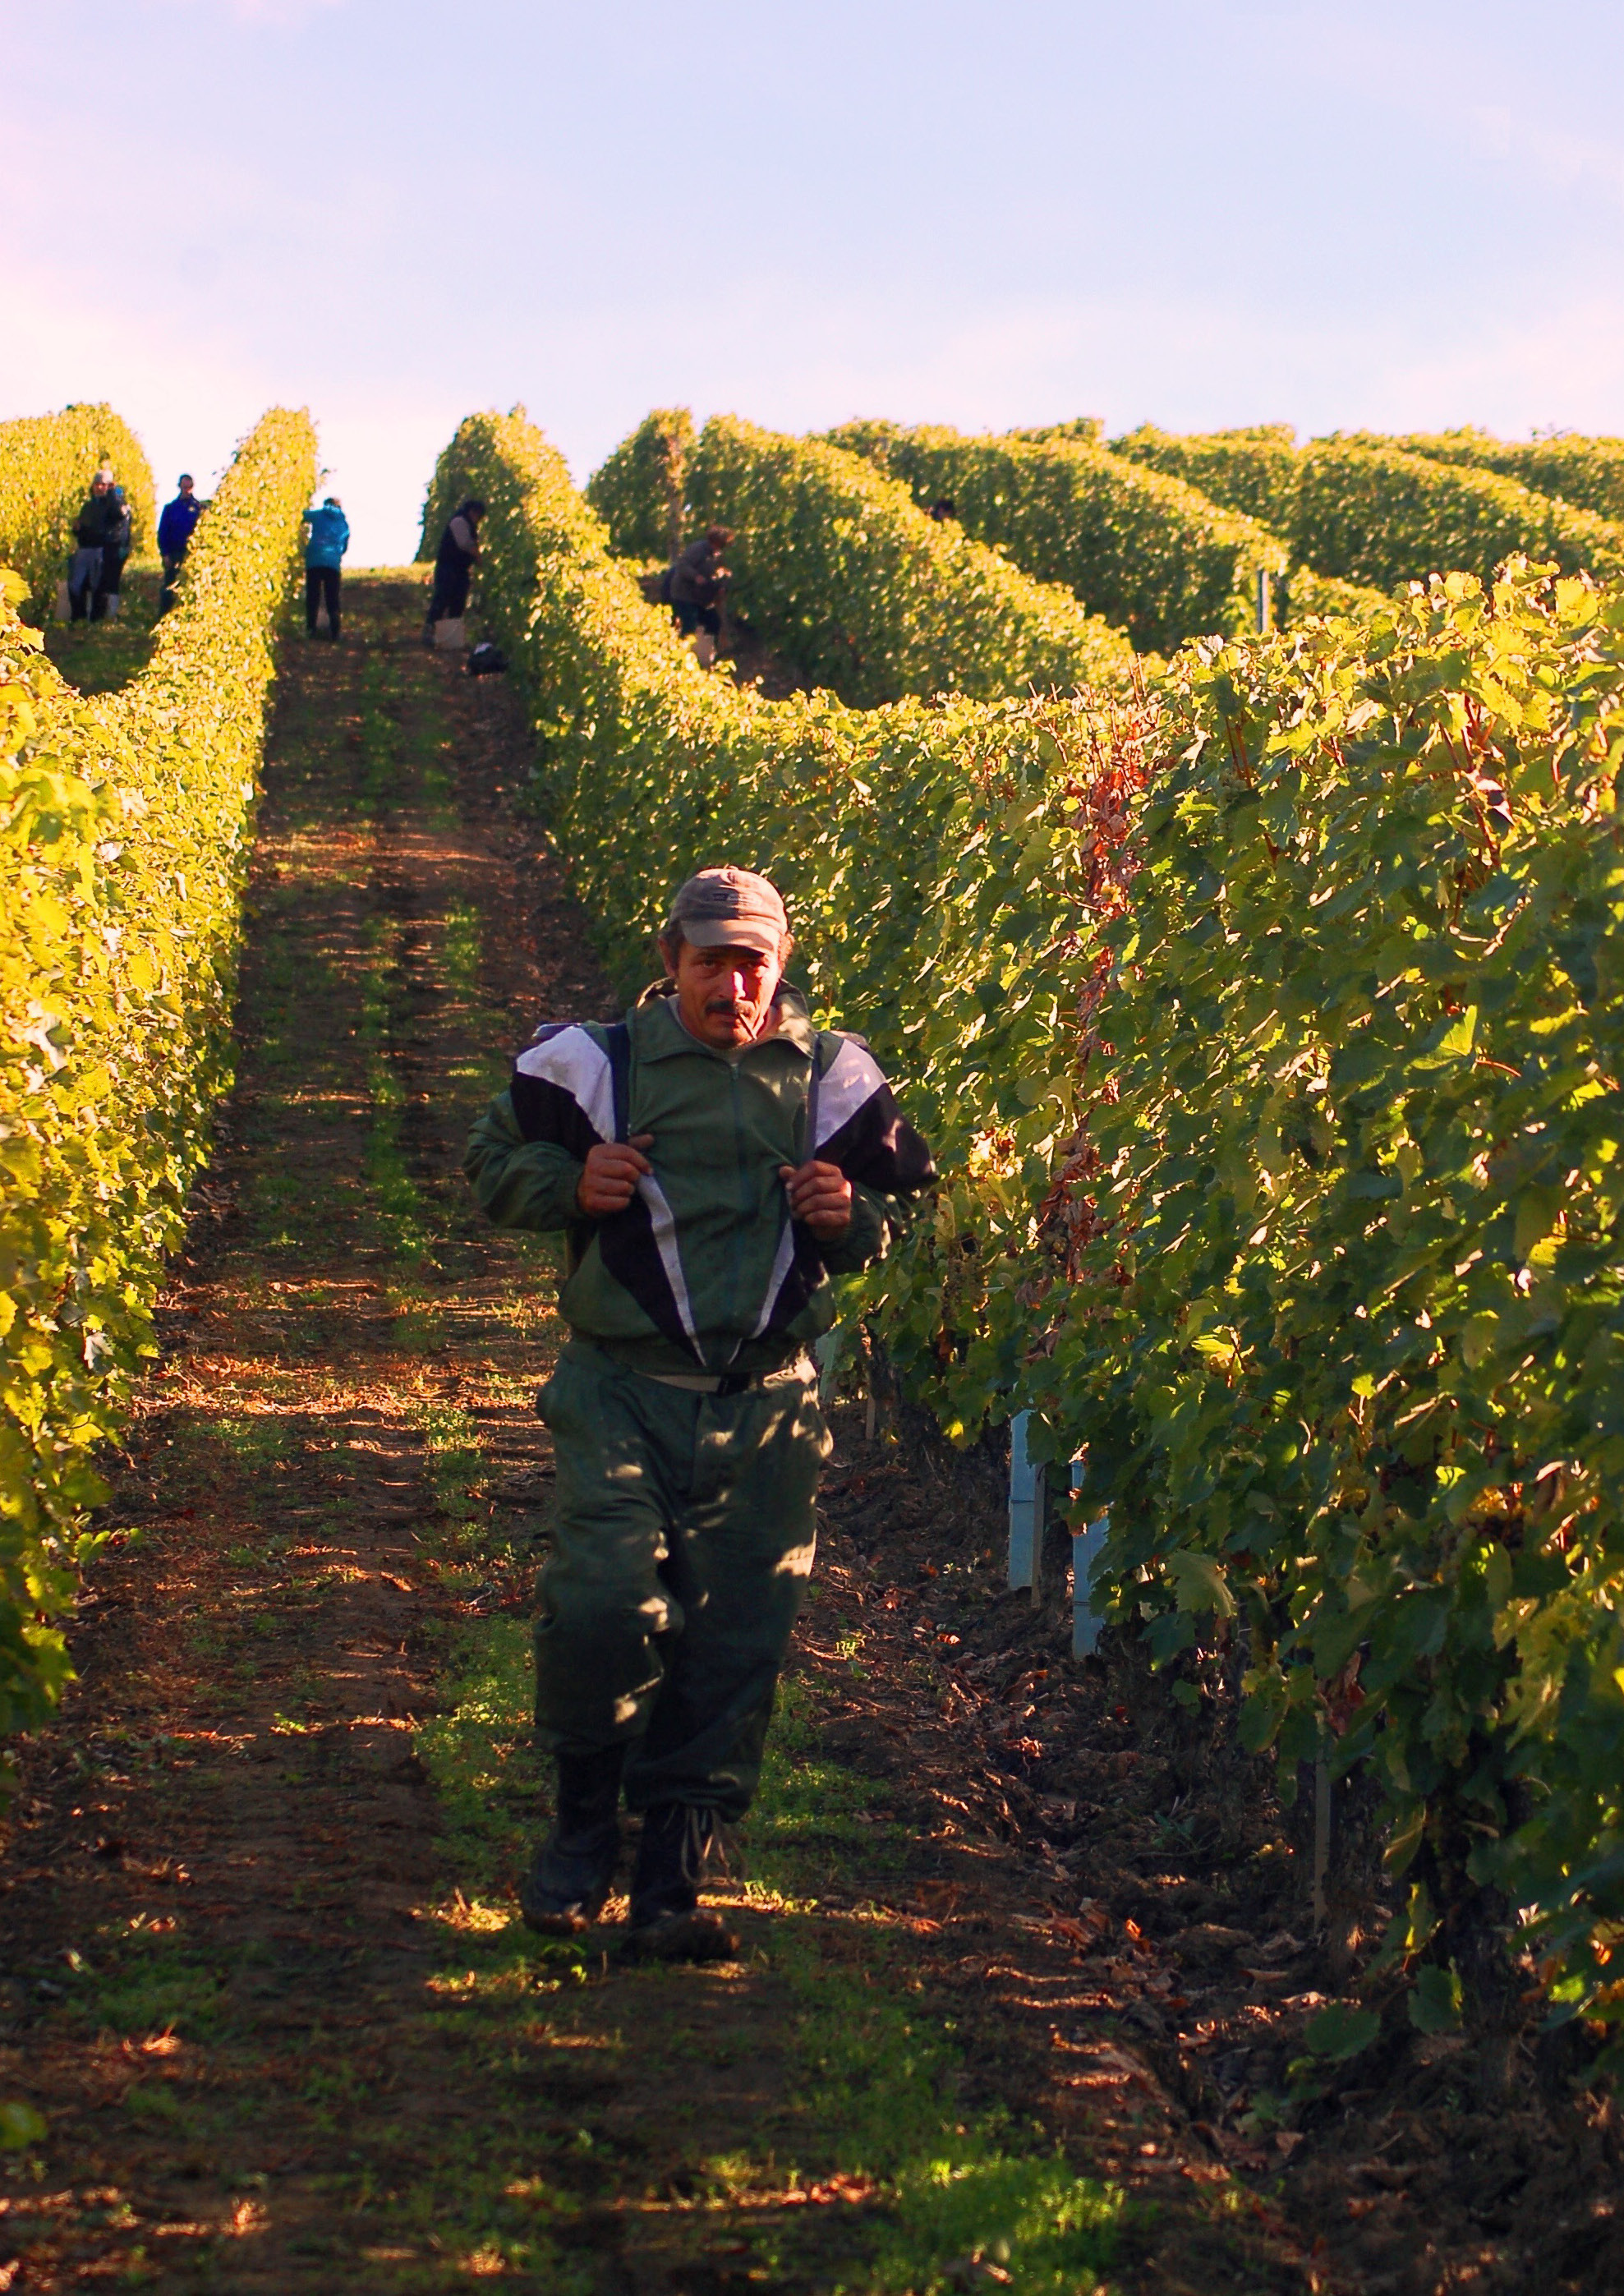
(1333, 216)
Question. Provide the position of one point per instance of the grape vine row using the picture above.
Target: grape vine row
(1145, 551)
(124, 825)
(837, 569)
(1272, 1032)
(47, 464)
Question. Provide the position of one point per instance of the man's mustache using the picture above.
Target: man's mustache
(723, 1004)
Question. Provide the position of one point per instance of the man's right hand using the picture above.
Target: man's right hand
(610, 1176)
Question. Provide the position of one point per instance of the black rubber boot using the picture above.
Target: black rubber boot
(564, 1891)
(668, 1922)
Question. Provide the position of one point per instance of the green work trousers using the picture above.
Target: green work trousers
(682, 1538)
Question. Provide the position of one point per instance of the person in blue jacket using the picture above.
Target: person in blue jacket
(323, 555)
(174, 534)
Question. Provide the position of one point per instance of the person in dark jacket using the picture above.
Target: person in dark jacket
(175, 535)
(105, 604)
(98, 523)
(710, 1160)
(453, 565)
(694, 587)
(328, 540)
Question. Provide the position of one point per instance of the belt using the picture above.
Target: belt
(703, 1383)
(728, 1382)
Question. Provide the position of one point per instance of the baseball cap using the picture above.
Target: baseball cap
(730, 908)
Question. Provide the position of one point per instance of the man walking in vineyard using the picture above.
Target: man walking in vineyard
(712, 1160)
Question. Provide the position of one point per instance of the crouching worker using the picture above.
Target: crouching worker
(695, 584)
(712, 1160)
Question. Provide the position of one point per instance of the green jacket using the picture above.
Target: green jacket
(704, 1270)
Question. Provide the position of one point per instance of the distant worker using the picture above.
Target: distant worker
(944, 508)
(97, 524)
(694, 591)
(105, 604)
(174, 536)
(323, 556)
(454, 564)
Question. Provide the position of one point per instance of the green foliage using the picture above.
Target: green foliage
(1145, 551)
(942, 866)
(124, 823)
(1342, 2031)
(20, 2126)
(1305, 594)
(1271, 1039)
(1088, 428)
(649, 764)
(839, 570)
(1252, 470)
(1368, 512)
(1344, 1313)
(47, 464)
(838, 567)
(641, 493)
(1588, 472)
(1435, 2005)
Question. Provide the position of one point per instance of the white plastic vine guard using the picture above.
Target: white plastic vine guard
(1026, 1505)
(1087, 1545)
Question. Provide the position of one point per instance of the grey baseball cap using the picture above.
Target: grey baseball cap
(730, 908)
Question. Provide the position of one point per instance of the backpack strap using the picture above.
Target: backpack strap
(618, 1044)
(808, 1138)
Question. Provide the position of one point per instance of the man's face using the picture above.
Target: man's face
(185, 485)
(723, 995)
(98, 486)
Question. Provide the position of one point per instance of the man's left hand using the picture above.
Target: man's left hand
(820, 1197)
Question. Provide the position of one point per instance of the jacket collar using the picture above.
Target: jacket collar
(660, 1035)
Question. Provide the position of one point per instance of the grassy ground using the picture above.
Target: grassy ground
(99, 657)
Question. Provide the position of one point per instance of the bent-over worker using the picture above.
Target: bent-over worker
(453, 565)
(712, 1160)
(694, 588)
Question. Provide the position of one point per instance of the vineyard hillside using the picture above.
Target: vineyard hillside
(1190, 1851)
(1251, 471)
(1587, 472)
(1145, 551)
(838, 571)
(975, 1320)
(128, 820)
(1369, 512)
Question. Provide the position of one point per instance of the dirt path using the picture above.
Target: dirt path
(258, 1963)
